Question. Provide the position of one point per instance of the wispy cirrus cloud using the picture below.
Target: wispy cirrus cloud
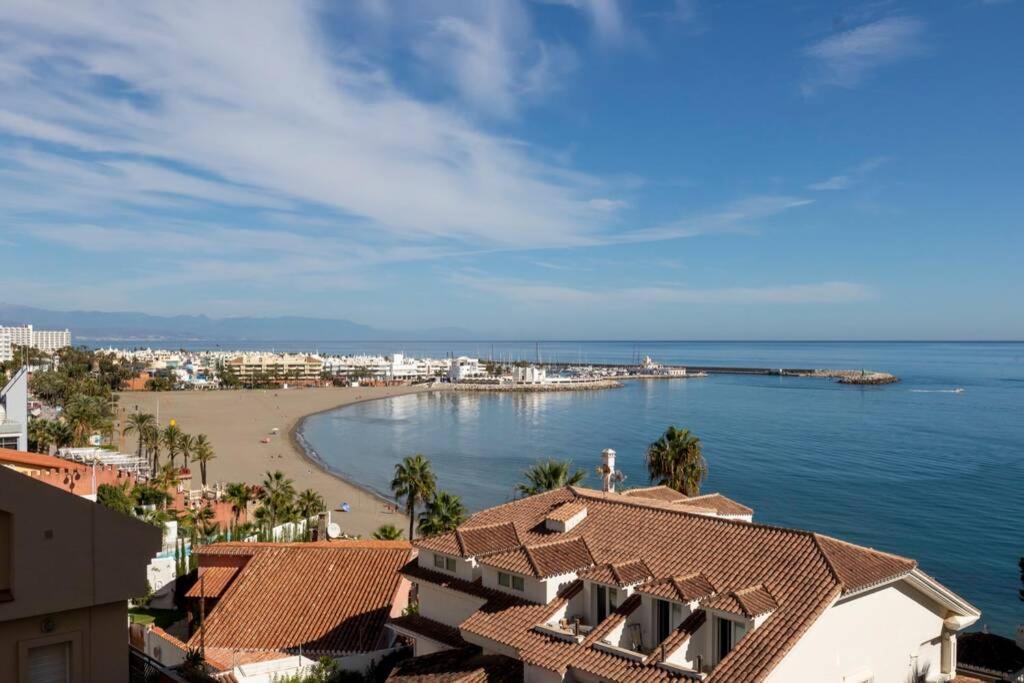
(549, 294)
(848, 178)
(846, 58)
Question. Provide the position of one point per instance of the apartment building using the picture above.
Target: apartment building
(67, 570)
(278, 366)
(649, 585)
(44, 340)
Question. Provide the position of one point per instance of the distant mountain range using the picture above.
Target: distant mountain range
(93, 325)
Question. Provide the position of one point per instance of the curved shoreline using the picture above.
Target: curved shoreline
(301, 445)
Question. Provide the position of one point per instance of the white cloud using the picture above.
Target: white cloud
(848, 178)
(605, 16)
(845, 59)
(737, 216)
(546, 295)
(276, 111)
(605, 204)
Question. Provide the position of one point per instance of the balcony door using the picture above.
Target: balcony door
(602, 603)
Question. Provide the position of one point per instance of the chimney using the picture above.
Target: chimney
(608, 470)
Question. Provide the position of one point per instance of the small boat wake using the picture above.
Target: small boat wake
(958, 390)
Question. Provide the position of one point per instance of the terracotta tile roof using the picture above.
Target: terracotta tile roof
(801, 572)
(858, 567)
(38, 460)
(329, 598)
(434, 630)
(565, 512)
(466, 665)
(544, 559)
(619, 573)
(484, 540)
(660, 492)
(213, 581)
(718, 503)
(681, 588)
(750, 602)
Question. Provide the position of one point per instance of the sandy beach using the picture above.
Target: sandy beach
(236, 421)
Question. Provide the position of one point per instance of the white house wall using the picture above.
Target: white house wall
(446, 606)
(876, 632)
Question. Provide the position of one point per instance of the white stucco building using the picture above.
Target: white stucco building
(649, 585)
(44, 340)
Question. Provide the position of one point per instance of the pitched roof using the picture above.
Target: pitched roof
(434, 630)
(487, 539)
(718, 503)
(619, 573)
(799, 572)
(465, 665)
(565, 512)
(681, 588)
(544, 559)
(858, 567)
(212, 582)
(327, 598)
(750, 602)
(659, 492)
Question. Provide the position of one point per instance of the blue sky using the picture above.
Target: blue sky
(522, 169)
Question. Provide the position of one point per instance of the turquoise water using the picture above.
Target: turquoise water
(910, 468)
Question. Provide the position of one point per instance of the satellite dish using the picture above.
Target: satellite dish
(333, 530)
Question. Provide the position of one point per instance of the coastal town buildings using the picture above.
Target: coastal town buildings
(44, 340)
(14, 411)
(284, 366)
(6, 347)
(649, 585)
(265, 604)
(67, 570)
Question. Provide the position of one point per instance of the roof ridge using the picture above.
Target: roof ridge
(533, 562)
(828, 560)
(674, 508)
(863, 547)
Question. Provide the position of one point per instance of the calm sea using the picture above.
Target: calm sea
(911, 468)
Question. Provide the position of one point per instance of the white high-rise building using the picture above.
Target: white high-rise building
(6, 347)
(44, 340)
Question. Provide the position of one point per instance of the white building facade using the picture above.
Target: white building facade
(44, 340)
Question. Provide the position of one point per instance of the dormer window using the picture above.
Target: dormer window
(667, 616)
(512, 581)
(727, 634)
(444, 563)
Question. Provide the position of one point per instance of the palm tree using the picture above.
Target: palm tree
(277, 496)
(153, 440)
(39, 435)
(677, 461)
(548, 476)
(171, 438)
(202, 454)
(186, 446)
(443, 513)
(238, 495)
(387, 532)
(138, 424)
(197, 521)
(310, 503)
(85, 415)
(59, 434)
(415, 482)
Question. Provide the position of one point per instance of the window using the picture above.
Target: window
(613, 599)
(602, 603)
(512, 581)
(445, 563)
(50, 663)
(663, 618)
(729, 633)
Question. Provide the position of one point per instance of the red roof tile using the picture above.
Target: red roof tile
(619, 573)
(750, 602)
(544, 559)
(212, 582)
(329, 598)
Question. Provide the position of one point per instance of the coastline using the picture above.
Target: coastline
(236, 421)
